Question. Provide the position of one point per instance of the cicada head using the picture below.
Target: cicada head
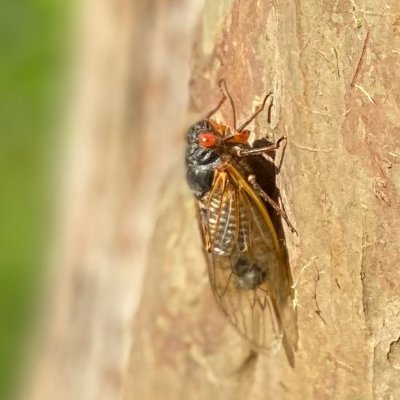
(201, 160)
(208, 144)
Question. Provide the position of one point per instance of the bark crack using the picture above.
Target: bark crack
(360, 60)
(363, 269)
(393, 355)
(318, 310)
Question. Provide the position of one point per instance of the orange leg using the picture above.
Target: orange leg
(214, 110)
(225, 95)
(254, 115)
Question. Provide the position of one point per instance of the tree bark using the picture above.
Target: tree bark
(333, 70)
(128, 112)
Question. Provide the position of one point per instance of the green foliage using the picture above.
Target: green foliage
(33, 38)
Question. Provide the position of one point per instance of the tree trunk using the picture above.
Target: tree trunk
(128, 114)
(333, 70)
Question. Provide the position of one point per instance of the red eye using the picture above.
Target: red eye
(208, 140)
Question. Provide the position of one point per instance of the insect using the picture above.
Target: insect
(247, 264)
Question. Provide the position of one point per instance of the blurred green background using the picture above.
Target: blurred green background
(33, 75)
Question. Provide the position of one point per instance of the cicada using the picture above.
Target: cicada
(247, 264)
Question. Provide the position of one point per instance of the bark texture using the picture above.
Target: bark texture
(127, 117)
(333, 67)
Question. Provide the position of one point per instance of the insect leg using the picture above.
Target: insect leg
(240, 152)
(225, 93)
(214, 110)
(254, 115)
(260, 150)
(282, 156)
(265, 197)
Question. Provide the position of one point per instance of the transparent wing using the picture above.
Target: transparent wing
(248, 272)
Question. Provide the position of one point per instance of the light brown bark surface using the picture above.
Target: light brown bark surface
(333, 67)
(127, 117)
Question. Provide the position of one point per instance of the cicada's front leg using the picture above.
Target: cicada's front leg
(254, 115)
